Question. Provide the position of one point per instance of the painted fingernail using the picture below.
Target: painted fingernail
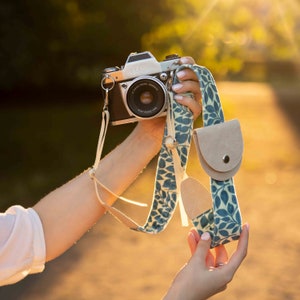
(178, 97)
(180, 74)
(177, 87)
(192, 234)
(205, 236)
(185, 60)
(247, 226)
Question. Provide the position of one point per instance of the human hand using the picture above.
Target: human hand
(188, 83)
(206, 273)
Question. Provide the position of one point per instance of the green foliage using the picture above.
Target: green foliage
(225, 34)
(55, 43)
(67, 43)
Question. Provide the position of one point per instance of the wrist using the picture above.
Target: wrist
(151, 132)
(121, 166)
(147, 143)
(174, 292)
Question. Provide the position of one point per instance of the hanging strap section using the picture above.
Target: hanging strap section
(101, 140)
(169, 143)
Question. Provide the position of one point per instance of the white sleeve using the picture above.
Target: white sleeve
(22, 244)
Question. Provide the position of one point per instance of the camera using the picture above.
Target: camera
(139, 89)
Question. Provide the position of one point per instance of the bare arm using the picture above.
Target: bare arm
(69, 211)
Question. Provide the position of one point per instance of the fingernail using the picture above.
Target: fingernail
(247, 226)
(192, 234)
(184, 60)
(180, 74)
(177, 87)
(178, 97)
(205, 236)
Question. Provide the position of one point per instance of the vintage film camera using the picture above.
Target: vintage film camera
(138, 90)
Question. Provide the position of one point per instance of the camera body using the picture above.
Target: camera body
(138, 90)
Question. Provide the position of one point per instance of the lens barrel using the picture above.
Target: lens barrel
(146, 97)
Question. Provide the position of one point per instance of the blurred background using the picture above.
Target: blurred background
(52, 54)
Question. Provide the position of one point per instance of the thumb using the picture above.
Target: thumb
(193, 239)
(203, 247)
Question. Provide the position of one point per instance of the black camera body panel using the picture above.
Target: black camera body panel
(117, 110)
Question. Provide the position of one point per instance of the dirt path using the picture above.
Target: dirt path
(112, 262)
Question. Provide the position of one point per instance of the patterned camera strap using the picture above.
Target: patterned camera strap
(223, 220)
(177, 133)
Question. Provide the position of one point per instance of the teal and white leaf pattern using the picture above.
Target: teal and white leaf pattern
(223, 220)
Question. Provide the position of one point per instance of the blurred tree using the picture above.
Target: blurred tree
(225, 34)
(67, 43)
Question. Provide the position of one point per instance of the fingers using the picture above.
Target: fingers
(202, 251)
(188, 86)
(188, 83)
(216, 278)
(193, 239)
(210, 260)
(188, 91)
(190, 103)
(187, 60)
(241, 251)
(187, 74)
(221, 256)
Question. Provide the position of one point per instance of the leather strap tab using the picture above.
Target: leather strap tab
(220, 149)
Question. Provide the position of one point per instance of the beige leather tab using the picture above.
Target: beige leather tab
(195, 197)
(220, 149)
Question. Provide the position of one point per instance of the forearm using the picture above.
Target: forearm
(69, 211)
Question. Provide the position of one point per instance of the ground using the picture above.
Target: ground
(112, 262)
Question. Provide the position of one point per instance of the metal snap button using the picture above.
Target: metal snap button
(226, 159)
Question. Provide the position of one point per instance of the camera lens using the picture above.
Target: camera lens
(146, 97)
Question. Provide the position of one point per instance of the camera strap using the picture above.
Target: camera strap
(170, 170)
(217, 211)
(101, 140)
(219, 145)
(171, 167)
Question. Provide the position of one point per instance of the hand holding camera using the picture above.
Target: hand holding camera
(139, 89)
(188, 90)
